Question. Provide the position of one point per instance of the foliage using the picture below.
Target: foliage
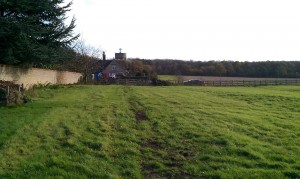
(86, 60)
(138, 67)
(153, 132)
(273, 69)
(158, 82)
(34, 33)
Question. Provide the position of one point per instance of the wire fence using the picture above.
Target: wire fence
(237, 82)
(147, 82)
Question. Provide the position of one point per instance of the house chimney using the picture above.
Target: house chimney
(103, 56)
(120, 56)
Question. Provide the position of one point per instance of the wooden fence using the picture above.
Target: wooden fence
(6, 89)
(137, 82)
(240, 83)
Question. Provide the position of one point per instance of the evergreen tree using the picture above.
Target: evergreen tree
(33, 31)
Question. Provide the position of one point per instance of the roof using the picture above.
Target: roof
(116, 66)
(100, 65)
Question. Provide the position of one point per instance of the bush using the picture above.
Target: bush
(157, 82)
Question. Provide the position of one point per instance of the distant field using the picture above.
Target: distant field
(153, 132)
(167, 77)
(215, 78)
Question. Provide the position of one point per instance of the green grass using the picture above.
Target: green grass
(167, 77)
(153, 132)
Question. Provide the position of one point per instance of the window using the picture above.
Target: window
(114, 67)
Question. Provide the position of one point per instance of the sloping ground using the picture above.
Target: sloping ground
(153, 132)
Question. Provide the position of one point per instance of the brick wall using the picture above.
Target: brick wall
(30, 76)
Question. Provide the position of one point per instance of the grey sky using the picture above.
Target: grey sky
(244, 30)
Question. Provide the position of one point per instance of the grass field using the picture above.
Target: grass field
(153, 132)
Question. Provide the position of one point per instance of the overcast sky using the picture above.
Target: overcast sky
(243, 30)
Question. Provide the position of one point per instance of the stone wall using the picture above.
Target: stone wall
(31, 76)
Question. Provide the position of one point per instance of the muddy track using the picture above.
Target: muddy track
(154, 144)
(135, 105)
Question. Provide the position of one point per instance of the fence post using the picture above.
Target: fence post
(7, 95)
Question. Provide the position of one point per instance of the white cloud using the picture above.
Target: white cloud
(193, 29)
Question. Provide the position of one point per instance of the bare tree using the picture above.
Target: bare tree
(87, 58)
(84, 49)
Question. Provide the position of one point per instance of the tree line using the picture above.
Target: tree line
(274, 69)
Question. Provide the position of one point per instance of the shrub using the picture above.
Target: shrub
(157, 82)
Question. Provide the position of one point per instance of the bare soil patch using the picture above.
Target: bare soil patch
(141, 115)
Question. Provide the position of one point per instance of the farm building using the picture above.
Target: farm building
(111, 68)
(114, 69)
